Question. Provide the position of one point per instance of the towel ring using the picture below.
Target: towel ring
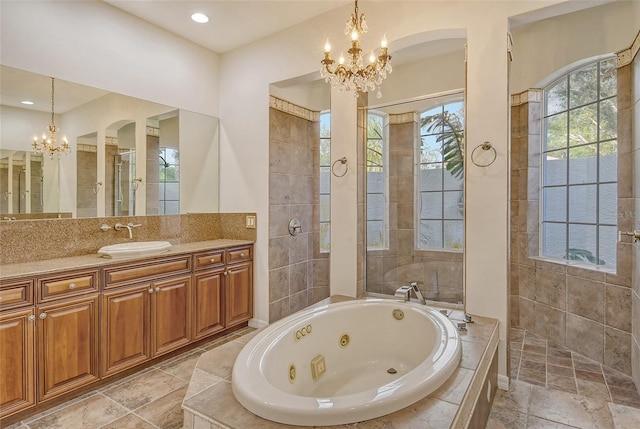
(485, 147)
(342, 161)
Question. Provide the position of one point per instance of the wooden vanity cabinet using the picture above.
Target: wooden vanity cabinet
(66, 332)
(238, 290)
(170, 315)
(145, 316)
(60, 332)
(208, 283)
(17, 361)
(67, 338)
(125, 328)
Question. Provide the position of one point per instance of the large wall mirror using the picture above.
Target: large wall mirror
(127, 155)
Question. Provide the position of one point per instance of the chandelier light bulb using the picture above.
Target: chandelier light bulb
(372, 58)
(341, 59)
(327, 46)
(383, 44)
(354, 34)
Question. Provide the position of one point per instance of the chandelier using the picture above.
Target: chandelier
(48, 144)
(351, 74)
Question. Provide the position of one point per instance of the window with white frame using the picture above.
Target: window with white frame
(579, 165)
(440, 181)
(325, 182)
(377, 207)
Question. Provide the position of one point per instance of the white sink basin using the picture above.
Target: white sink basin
(139, 248)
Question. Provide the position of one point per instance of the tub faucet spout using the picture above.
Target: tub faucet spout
(416, 290)
(404, 292)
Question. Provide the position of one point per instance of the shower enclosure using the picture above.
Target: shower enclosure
(415, 196)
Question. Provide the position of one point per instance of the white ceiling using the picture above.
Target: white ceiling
(233, 23)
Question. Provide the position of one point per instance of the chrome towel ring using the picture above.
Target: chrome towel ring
(342, 161)
(482, 162)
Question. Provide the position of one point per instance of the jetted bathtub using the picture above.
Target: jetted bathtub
(345, 362)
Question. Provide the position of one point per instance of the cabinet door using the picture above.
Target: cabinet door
(125, 328)
(207, 310)
(171, 314)
(238, 294)
(17, 388)
(68, 346)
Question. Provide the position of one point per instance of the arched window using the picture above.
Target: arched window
(579, 165)
(440, 187)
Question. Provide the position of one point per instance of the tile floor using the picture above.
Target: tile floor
(149, 399)
(551, 388)
(541, 363)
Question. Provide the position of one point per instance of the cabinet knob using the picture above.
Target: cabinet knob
(212, 260)
(31, 318)
(72, 285)
(150, 290)
(43, 315)
(242, 255)
(226, 273)
(158, 289)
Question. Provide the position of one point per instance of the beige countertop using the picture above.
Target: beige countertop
(94, 260)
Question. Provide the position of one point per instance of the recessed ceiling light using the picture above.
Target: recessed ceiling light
(27, 102)
(200, 18)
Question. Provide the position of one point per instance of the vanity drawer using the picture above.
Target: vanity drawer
(209, 259)
(16, 294)
(132, 273)
(239, 254)
(66, 285)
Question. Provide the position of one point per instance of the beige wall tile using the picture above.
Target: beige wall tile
(586, 337)
(585, 298)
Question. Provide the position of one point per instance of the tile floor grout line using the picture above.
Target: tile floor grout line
(575, 376)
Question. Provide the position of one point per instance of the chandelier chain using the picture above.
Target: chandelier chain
(52, 101)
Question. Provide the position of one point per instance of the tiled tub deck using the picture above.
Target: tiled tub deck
(209, 402)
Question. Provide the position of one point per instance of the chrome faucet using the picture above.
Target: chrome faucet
(118, 226)
(416, 290)
(404, 292)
